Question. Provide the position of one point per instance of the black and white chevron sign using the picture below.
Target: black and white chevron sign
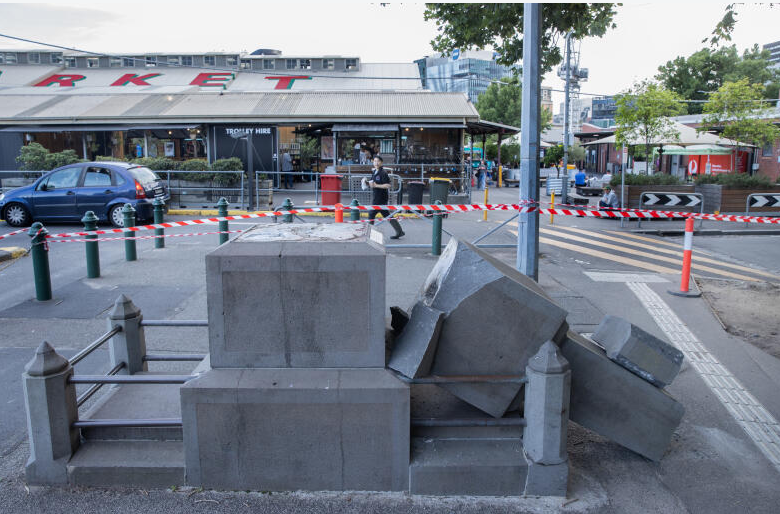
(767, 200)
(672, 199)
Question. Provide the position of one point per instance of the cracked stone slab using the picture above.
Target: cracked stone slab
(416, 345)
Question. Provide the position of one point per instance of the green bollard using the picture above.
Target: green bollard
(287, 206)
(436, 239)
(354, 213)
(40, 260)
(128, 213)
(159, 204)
(222, 210)
(93, 252)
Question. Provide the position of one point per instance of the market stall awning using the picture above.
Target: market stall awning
(687, 136)
(490, 127)
(96, 128)
(434, 125)
(364, 127)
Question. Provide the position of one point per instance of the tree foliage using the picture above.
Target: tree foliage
(500, 26)
(736, 108)
(34, 157)
(694, 77)
(643, 114)
(502, 102)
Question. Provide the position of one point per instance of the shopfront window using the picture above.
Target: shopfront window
(93, 62)
(269, 64)
(210, 60)
(421, 145)
(128, 62)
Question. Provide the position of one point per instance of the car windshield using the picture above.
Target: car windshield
(143, 175)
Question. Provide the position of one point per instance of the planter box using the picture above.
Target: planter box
(265, 193)
(723, 199)
(633, 193)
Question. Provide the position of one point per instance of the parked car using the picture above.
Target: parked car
(68, 192)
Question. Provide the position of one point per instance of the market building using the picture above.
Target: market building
(217, 105)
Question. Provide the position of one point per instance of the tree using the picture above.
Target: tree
(34, 157)
(502, 102)
(552, 156)
(737, 109)
(642, 115)
(500, 27)
(706, 70)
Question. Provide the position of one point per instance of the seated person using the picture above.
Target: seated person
(580, 179)
(609, 200)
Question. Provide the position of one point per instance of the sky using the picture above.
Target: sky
(648, 34)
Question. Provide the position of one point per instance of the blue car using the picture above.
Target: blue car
(68, 192)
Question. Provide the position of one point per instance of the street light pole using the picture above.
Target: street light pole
(528, 233)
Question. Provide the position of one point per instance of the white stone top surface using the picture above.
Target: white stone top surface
(302, 232)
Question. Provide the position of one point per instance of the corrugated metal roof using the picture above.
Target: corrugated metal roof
(259, 106)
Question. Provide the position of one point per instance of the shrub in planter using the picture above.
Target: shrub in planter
(647, 180)
(227, 179)
(156, 163)
(100, 158)
(34, 157)
(194, 165)
(736, 181)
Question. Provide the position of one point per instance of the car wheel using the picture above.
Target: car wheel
(17, 215)
(115, 216)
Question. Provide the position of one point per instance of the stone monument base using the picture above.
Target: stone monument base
(287, 429)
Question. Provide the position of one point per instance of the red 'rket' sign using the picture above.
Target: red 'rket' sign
(60, 80)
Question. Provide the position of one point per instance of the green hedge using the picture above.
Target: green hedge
(736, 181)
(34, 157)
(659, 179)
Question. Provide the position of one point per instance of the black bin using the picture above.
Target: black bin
(415, 194)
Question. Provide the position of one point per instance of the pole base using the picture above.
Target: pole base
(689, 294)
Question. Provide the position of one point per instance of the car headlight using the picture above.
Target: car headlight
(2, 196)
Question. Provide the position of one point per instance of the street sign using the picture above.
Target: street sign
(669, 199)
(767, 200)
(455, 54)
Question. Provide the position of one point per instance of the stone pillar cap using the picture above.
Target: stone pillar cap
(124, 308)
(548, 360)
(46, 362)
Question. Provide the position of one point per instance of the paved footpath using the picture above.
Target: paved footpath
(722, 457)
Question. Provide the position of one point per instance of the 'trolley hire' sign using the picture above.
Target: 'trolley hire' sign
(201, 79)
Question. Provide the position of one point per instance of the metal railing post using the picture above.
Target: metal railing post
(546, 413)
(242, 190)
(436, 238)
(93, 252)
(129, 345)
(354, 212)
(128, 213)
(40, 261)
(287, 205)
(50, 401)
(222, 211)
(159, 242)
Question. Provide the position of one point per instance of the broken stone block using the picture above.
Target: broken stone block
(496, 320)
(613, 402)
(416, 345)
(638, 351)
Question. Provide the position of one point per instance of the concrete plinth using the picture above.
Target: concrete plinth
(478, 467)
(297, 429)
(308, 295)
(612, 401)
(497, 319)
(638, 351)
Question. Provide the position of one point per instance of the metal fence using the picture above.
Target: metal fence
(186, 192)
(13, 179)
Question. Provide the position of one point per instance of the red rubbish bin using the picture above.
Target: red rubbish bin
(331, 189)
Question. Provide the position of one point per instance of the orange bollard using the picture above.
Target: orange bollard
(339, 213)
(686, 268)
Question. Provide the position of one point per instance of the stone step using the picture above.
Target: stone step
(148, 464)
(136, 401)
(476, 467)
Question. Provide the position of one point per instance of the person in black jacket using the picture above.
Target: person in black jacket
(380, 187)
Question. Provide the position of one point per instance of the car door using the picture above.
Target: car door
(55, 196)
(97, 190)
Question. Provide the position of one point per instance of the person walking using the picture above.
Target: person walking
(287, 168)
(380, 188)
(481, 175)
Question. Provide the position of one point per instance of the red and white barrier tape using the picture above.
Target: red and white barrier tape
(136, 238)
(12, 233)
(599, 213)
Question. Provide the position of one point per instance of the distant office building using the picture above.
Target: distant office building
(774, 50)
(470, 72)
(604, 108)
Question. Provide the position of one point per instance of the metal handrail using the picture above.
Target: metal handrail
(159, 357)
(130, 379)
(127, 423)
(468, 422)
(464, 379)
(96, 387)
(95, 345)
(175, 323)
